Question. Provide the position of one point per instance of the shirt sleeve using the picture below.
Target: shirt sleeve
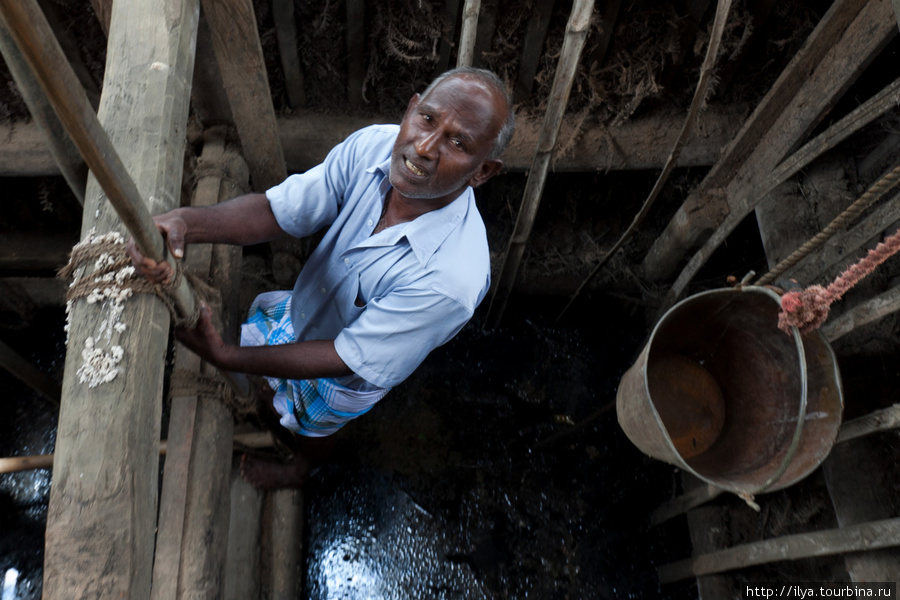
(394, 334)
(306, 202)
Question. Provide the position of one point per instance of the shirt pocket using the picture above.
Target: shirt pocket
(352, 302)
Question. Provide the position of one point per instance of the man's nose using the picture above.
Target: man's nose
(427, 144)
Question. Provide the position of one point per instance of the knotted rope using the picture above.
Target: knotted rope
(808, 309)
(114, 277)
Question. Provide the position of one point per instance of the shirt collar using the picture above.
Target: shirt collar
(426, 232)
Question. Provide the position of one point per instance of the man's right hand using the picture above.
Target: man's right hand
(173, 227)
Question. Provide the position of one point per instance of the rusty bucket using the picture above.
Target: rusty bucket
(721, 392)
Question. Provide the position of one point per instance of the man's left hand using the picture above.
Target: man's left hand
(204, 340)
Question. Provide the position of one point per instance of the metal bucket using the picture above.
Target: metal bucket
(721, 392)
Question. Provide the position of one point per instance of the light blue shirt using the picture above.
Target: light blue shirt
(389, 299)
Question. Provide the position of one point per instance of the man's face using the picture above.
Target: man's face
(445, 139)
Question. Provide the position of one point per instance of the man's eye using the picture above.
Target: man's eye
(427, 118)
(459, 145)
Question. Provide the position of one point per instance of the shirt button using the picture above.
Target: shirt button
(346, 261)
(323, 290)
(369, 222)
(302, 315)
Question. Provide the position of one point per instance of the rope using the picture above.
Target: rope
(184, 382)
(113, 277)
(885, 183)
(808, 309)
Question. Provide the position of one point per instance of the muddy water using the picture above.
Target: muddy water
(27, 428)
(493, 473)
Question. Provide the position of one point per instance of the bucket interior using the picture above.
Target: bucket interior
(727, 386)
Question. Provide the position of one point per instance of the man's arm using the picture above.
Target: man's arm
(241, 221)
(301, 360)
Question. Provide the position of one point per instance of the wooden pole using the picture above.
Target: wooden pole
(576, 32)
(286, 32)
(64, 151)
(466, 54)
(242, 441)
(35, 40)
(101, 521)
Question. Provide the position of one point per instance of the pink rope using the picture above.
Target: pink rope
(808, 309)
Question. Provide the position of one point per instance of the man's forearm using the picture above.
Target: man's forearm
(302, 360)
(242, 221)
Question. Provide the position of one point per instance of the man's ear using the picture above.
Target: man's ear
(488, 169)
(411, 105)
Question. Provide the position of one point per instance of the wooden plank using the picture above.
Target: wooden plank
(869, 311)
(846, 38)
(102, 516)
(103, 10)
(856, 538)
(707, 526)
(641, 144)
(286, 544)
(573, 44)
(487, 25)
(208, 96)
(607, 27)
(533, 48)
(859, 476)
(846, 247)
(286, 32)
(29, 374)
(879, 420)
(682, 504)
(356, 50)
(242, 571)
(35, 251)
(239, 54)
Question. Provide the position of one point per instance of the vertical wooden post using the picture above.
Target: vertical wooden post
(356, 50)
(102, 515)
(194, 505)
(573, 44)
(466, 54)
(451, 12)
(286, 32)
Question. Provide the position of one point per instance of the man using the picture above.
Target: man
(400, 270)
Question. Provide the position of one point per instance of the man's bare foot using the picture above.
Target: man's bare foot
(271, 475)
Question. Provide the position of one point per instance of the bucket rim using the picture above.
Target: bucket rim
(798, 430)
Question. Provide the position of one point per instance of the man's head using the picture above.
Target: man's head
(451, 136)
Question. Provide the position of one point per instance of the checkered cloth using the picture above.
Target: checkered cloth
(310, 407)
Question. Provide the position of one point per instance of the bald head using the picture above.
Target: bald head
(496, 87)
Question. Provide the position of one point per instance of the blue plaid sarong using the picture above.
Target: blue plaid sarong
(310, 407)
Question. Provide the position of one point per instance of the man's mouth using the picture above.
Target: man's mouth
(413, 168)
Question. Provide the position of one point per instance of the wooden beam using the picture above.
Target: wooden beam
(243, 568)
(641, 144)
(573, 44)
(858, 476)
(71, 49)
(286, 32)
(65, 154)
(682, 504)
(103, 504)
(856, 538)
(487, 25)
(103, 10)
(846, 39)
(356, 51)
(884, 419)
(869, 311)
(194, 510)
(239, 53)
(29, 374)
(533, 48)
(607, 28)
(242, 441)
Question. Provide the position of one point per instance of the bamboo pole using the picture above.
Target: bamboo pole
(254, 440)
(573, 44)
(37, 43)
(466, 55)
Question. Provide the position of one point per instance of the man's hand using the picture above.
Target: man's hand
(173, 228)
(205, 341)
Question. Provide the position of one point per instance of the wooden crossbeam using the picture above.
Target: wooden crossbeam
(850, 34)
(855, 538)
